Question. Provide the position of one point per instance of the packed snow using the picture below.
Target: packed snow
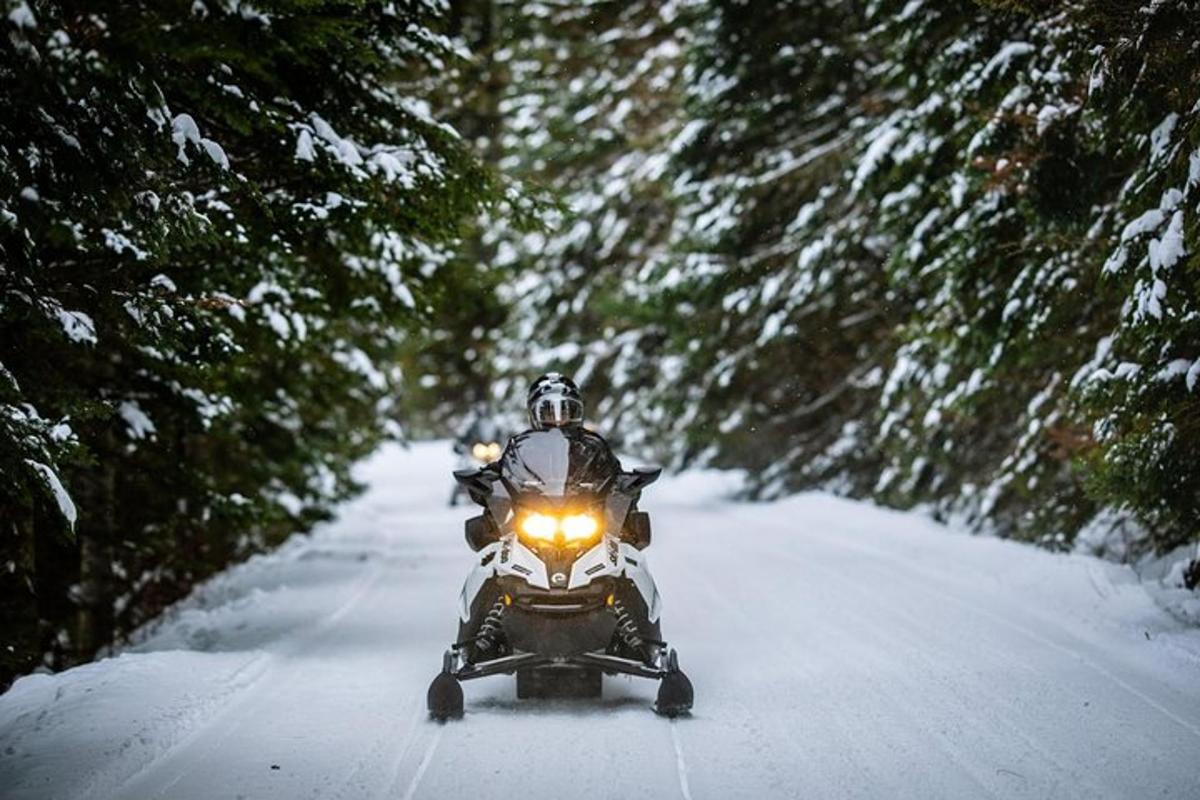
(837, 650)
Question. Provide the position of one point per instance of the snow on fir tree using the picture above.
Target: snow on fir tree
(149, 185)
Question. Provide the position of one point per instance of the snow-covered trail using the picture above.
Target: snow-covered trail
(837, 650)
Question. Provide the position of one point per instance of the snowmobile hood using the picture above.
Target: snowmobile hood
(556, 464)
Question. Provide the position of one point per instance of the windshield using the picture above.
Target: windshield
(556, 464)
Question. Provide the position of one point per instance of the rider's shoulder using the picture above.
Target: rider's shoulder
(517, 439)
(580, 434)
(590, 435)
(593, 441)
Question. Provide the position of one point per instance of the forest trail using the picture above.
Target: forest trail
(844, 651)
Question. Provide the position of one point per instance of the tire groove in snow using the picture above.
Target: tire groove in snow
(871, 615)
(846, 643)
(257, 667)
(1041, 747)
(923, 586)
(376, 753)
(900, 697)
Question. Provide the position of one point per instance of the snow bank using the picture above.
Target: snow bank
(84, 732)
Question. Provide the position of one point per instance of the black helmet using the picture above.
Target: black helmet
(554, 402)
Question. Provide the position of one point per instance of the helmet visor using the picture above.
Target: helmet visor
(556, 410)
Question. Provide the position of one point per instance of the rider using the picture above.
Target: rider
(554, 402)
(481, 427)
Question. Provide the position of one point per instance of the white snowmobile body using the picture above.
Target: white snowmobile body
(609, 558)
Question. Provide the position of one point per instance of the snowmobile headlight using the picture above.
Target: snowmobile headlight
(539, 526)
(493, 451)
(578, 527)
(480, 451)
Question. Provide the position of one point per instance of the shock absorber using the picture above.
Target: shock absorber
(490, 626)
(627, 626)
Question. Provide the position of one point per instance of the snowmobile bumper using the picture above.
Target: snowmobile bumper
(508, 665)
(445, 694)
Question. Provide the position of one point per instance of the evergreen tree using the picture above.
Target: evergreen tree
(1141, 388)
(933, 253)
(790, 295)
(222, 222)
(582, 102)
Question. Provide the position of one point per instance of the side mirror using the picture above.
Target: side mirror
(638, 478)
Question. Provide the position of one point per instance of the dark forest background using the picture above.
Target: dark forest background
(939, 253)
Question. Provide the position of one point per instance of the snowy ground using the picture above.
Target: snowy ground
(837, 650)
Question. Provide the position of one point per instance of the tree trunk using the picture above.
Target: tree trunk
(19, 643)
(94, 596)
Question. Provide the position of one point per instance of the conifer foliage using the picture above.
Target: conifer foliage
(935, 253)
(219, 221)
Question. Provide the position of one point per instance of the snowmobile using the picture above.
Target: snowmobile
(560, 594)
(478, 445)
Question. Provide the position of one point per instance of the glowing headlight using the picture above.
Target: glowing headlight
(486, 452)
(579, 526)
(573, 528)
(539, 526)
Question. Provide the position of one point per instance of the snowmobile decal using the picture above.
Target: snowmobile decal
(591, 565)
(524, 563)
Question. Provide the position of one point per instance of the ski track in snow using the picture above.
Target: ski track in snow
(837, 650)
(680, 766)
(411, 792)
